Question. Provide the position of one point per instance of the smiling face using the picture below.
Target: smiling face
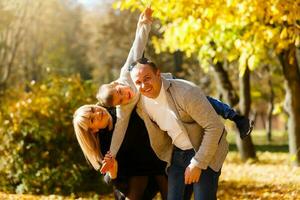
(99, 118)
(147, 80)
(122, 94)
(114, 94)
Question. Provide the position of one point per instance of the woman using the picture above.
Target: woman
(136, 170)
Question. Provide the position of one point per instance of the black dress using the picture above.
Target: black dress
(135, 156)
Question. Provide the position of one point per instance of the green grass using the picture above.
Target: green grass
(279, 141)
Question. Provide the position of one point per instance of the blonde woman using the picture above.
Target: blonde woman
(88, 120)
(137, 172)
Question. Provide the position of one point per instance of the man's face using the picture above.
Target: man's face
(122, 94)
(146, 80)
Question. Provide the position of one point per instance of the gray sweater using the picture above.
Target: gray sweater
(197, 119)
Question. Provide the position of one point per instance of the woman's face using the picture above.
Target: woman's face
(99, 118)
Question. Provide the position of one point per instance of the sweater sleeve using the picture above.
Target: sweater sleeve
(203, 113)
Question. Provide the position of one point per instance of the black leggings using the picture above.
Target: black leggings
(141, 187)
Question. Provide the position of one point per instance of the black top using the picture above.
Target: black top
(105, 135)
(135, 156)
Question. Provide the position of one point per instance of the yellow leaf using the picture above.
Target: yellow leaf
(293, 157)
(297, 41)
(242, 64)
(283, 33)
(43, 87)
(291, 60)
(277, 109)
(238, 43)
(251, 62)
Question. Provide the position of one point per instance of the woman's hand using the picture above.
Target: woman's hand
(113, 172)
(109, 165)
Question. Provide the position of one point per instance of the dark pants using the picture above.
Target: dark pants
(205, 189)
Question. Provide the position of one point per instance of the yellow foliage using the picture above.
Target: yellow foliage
(283, 33)
(238, 28)
(278, 108)
(242, 64)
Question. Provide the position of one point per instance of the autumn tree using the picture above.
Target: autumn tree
(111, 37)
(41, 36)
(12, 32)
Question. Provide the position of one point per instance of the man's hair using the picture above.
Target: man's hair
(105, 95)
(143, 61)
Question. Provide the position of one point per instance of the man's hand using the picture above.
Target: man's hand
(192, 174)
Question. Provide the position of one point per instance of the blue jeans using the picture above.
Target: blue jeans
(222, 109)
(205, 189)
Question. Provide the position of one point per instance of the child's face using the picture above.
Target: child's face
(122, 94)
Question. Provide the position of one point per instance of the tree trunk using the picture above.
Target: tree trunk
(227, 90)
(178, 60)
(246, 147)
(9, 53)
(291, 73)
(270, 111)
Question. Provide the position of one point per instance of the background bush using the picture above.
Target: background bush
(39, 152)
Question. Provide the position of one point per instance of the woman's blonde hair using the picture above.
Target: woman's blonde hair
(88, 141)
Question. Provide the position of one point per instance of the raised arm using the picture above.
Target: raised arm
(123, 111)
(140, 41)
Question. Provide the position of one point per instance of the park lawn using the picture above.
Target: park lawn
(269, 177)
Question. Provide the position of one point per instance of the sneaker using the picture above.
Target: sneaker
(244, 125)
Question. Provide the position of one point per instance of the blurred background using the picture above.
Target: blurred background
(54, 54)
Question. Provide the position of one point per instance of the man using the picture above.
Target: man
(182, 111)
